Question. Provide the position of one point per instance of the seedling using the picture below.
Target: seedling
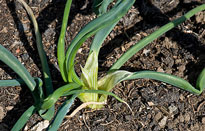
(90, 89)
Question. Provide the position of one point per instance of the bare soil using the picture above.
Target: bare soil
(155, 105)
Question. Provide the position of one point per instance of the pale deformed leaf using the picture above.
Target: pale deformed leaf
(109, 81)
(89, 78)
(90, 72)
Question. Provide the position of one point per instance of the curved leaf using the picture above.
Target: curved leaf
(51, 99)
(24, 118)
(109, 81)
(61, 41)
(64, 109)
(170, 79)
(100, 6)
(41, 52)
(10, 60)
(101, 22)
(141, 44)
(47, 114)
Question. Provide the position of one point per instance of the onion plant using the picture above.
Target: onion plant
(89, 88)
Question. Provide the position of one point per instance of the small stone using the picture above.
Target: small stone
(203, 128)
(40, 126)
(4, 30)
(2, 113)
(181, 68)
(187, 117)
(158, 116)
(176, 121)
(112, 35)
(172, 109)
(150, 103)
(181, 97)
(25, 57)
(146, 52)
(171, 125)
(181, 118)
(196, 127)
(25, 27)
(159, 69)
(8, 108)
(128, 117)
(163, 122)
(149, 116)
(203, 120)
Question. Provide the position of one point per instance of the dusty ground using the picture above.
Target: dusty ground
(156, 106)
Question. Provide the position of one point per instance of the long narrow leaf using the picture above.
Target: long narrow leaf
(141, 44)
(50, 100)
(24, 118)
(64, 109)
(10, 60)
(200, 84)
(17, 82)
(61, 41)
(101, 22)
(42, 55)
(47, 114)
(171, 79)
(100, 37)
(100, 6)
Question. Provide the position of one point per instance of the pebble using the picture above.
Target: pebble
(158, 116)
(150, 103)
(128, 117)
(25, 27)
(163, 122)
(48, 33)
(187, 117)
(8, 108)
(146, 52)
(172, 108)
(2, 113)
(40, 126)
(181, 118)
(25, 57)
(203, 120)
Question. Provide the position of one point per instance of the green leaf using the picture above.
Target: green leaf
(90, 29)
(100, 37)
(41, 52)
(51, 99)
(170, 79)
(61, 41)
(200, 84)
(100, 6)
(10, 60)
(24, 118)
(47, 114)
(109, 81)
(64, 109)
(141, 44)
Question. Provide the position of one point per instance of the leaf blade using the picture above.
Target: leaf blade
(141, 44)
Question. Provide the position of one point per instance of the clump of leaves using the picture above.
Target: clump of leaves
(90, 89)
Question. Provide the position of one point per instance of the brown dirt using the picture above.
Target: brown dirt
(156, 105)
